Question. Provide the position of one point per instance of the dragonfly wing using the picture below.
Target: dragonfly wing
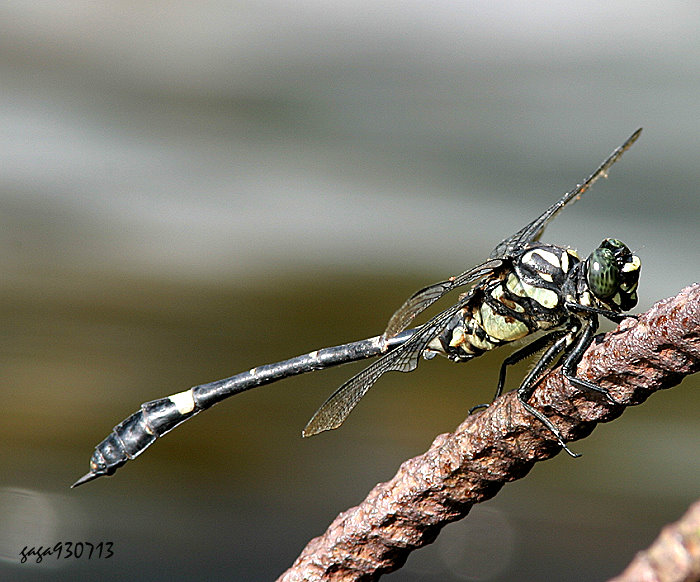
(405, 357)
(402, 359)
(532, 232)
(422, 299)
(507, 249)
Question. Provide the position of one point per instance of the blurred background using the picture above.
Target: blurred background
(188, 190)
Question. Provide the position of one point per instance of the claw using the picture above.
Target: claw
(477, 407)
(568, 450)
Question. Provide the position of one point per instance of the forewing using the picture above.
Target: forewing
(405, 357)
(402, 359)
(532, 232)
(422, 299)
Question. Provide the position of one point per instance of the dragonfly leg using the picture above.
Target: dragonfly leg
(517, 356)
(611, 315)
(530, 383)
(571, 360)
(574, 357)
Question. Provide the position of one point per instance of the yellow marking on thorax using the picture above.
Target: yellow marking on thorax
(545, 297)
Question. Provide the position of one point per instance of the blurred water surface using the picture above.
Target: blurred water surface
(189, 190)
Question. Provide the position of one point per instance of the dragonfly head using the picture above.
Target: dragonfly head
(612, 274)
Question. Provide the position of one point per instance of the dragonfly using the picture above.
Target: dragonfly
(524, 287)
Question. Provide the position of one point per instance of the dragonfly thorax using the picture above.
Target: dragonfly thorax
(525, 296)
(541, 273)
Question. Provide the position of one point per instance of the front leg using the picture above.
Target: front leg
(574, 357)
(613, 316)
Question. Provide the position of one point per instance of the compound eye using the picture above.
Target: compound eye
(603, 273)
(614, 245)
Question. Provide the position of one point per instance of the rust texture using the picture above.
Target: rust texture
(673, 557)
(501, 444)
